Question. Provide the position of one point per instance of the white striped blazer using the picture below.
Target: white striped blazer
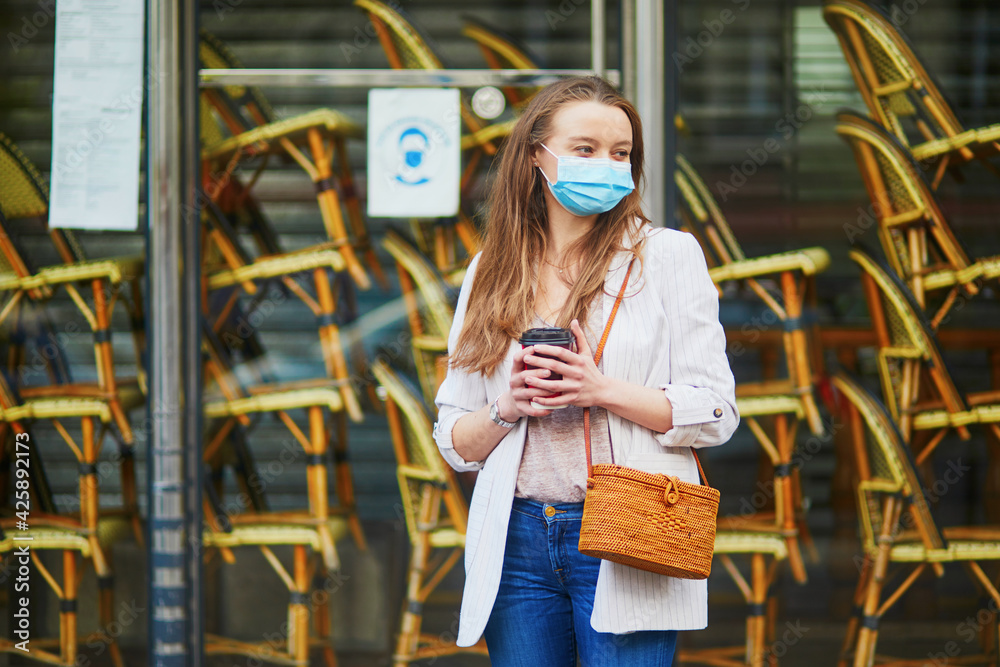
(666, 335)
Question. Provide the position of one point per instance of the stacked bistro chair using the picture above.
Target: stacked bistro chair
(899, 92)
(102, 406)
(898, 529)
(767, 537)
(312, 140)
(230, 273)
(920, 393)
(436, 517)
(502, 51)
(913, 230)
(231, 405)
(428, 311)
(89, 537)
(407, 47)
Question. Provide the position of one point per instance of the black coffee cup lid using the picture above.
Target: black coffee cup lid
(547, 336)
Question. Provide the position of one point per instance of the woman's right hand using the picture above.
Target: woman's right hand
(516, 403)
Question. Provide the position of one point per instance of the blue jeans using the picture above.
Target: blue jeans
(541, 617)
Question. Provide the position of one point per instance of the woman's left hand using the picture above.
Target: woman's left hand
(582, 384)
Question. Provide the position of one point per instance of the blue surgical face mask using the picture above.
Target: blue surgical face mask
(589, 185)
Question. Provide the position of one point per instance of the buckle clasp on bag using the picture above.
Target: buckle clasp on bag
(670, 493)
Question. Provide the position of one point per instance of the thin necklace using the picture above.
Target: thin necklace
(555, 266)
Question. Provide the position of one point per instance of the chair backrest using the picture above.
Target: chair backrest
(886, 468)
(240, 107)
(24, 194)
(906, 343)
(428, 309)
(408, 47)
(894, 84)
(902, 203)
(434, 307)
(701, 216)
(420, 468)
(502, 51)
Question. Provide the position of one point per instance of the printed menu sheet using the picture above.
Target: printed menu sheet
(96, 114)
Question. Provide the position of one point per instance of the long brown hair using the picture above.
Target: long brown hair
(502, 299)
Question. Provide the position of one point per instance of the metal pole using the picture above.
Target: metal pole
(650, 100)
(598, 37)
(671, 95)
(172, 540)
(190, 323)
(627, 50)
(372, 78)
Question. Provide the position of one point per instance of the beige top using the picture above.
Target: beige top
(554, 463)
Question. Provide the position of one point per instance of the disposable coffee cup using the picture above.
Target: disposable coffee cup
(555, 336)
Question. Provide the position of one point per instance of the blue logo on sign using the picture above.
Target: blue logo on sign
(413, 146)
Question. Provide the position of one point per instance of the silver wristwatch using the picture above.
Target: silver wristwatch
(495, 415)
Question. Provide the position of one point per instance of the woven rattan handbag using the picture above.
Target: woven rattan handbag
(646, 520)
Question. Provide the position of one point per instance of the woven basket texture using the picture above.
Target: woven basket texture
(649, 521)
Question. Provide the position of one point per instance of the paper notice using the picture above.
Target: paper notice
(96, 114)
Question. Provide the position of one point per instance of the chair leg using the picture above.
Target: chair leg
(350, 193)
(345, 482)
(129, 493)
(412, 617)
(321, 615)
(298, 610)
(757, 614)
(332, 348)
(106, 605)
(67, 610)
(850, 639)
(771, 634)
(329, 205)
(864, 654)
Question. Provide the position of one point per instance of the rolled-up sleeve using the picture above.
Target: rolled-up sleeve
(461, 392)
(701, 391)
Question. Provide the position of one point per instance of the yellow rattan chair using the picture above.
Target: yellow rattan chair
(88, 536)
(772, 409)
(26, 292)
(914, 232)
(766, 539)
(502, 51)
(232, 407)
(436, 517)
(428, 309)
(795, 270)
(918, 390)
(899, 92)
(313, 140)
(407, 47)
(897, 529)
(309, 274)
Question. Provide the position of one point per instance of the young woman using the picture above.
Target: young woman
(564, 224)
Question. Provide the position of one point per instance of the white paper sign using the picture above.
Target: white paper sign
(96, 107)
(414, 152)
